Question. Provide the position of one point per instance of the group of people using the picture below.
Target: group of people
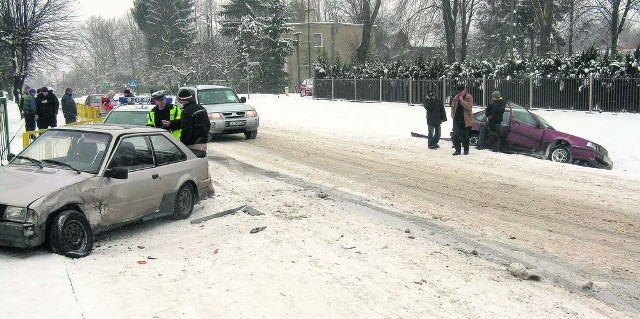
(188, 123)
(39, 108)
(461, 113)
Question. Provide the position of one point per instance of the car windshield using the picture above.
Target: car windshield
(95, 98)
(75, 150)
(127, 117)
(217, 96)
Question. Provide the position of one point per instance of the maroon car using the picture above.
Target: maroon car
(526, 133)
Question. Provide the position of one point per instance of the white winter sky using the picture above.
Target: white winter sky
(102, 8)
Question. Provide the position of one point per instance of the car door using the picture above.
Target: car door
(171, 159)
(524, 131)
(139, 194)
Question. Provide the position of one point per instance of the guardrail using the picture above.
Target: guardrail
(86, 115)
(584, 94)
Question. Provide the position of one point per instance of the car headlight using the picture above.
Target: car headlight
(252, 113)
(20, 214)
(215, 116)
(593, 146)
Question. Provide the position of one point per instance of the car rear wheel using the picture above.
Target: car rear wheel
(183, 205)
(560, 154)
(250, 134)
(70, 234)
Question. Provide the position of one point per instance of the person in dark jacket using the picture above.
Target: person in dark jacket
(435, 116)
(69, 109)
(127, 93)
(194, 123)
(55, 109)
(45, 111)
(30, 111)
(494, 113)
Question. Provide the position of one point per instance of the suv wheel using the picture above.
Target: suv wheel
(250, 135)
(70, 234)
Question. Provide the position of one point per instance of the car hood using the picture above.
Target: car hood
(228, 107)
(21, 185)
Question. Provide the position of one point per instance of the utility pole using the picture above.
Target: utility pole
(512, 40)
(309, 36)
(297, 35)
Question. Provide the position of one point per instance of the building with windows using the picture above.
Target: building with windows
(312, 38)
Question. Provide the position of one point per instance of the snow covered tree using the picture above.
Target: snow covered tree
(168, 28)
(274, 48)
(33, 31)
(614, 14)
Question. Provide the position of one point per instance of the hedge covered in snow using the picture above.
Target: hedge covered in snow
(589, 62)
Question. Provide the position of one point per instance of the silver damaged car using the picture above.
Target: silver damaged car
(76, 181)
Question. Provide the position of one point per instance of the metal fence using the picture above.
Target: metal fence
(587, 94)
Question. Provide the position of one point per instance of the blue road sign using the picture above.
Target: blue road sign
(133, 83)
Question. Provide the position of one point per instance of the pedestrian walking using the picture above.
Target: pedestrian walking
(435, 116)
(45, 111)
(69, 109)
(461, 107)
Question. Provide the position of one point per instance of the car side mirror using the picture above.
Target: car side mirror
(117, 173)
(243, 99)
(10, 156)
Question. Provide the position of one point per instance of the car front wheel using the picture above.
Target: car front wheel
(185, 199)
(250, 135)
(560, 154)
(70, 234)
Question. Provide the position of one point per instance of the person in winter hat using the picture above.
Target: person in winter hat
(435, 116)
(69, 109)
(194, 123)
(494, 113)
(195, 128)
(461, 108)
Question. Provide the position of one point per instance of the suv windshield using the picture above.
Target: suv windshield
(217, 96)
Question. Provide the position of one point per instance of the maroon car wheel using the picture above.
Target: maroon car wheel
(560, 154)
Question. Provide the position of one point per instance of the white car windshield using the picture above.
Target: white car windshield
(74, 150)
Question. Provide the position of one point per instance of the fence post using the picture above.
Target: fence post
(590, 93)
(530, 92)
(332, 92)
(380, 89)
(410, 91)
(484, 91)
(355, 89)
(444, 90)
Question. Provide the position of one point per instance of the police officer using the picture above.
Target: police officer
(165, 115)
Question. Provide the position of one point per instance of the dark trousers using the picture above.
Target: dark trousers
(30, 122)
(461, 136)
(69, 120)
(433, 132)
(490, 135)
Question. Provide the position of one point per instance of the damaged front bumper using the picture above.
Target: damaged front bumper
(20, 235)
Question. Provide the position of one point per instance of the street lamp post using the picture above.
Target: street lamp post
(309, 37)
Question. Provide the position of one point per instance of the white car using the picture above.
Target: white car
(228, 114)
(75, 181)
